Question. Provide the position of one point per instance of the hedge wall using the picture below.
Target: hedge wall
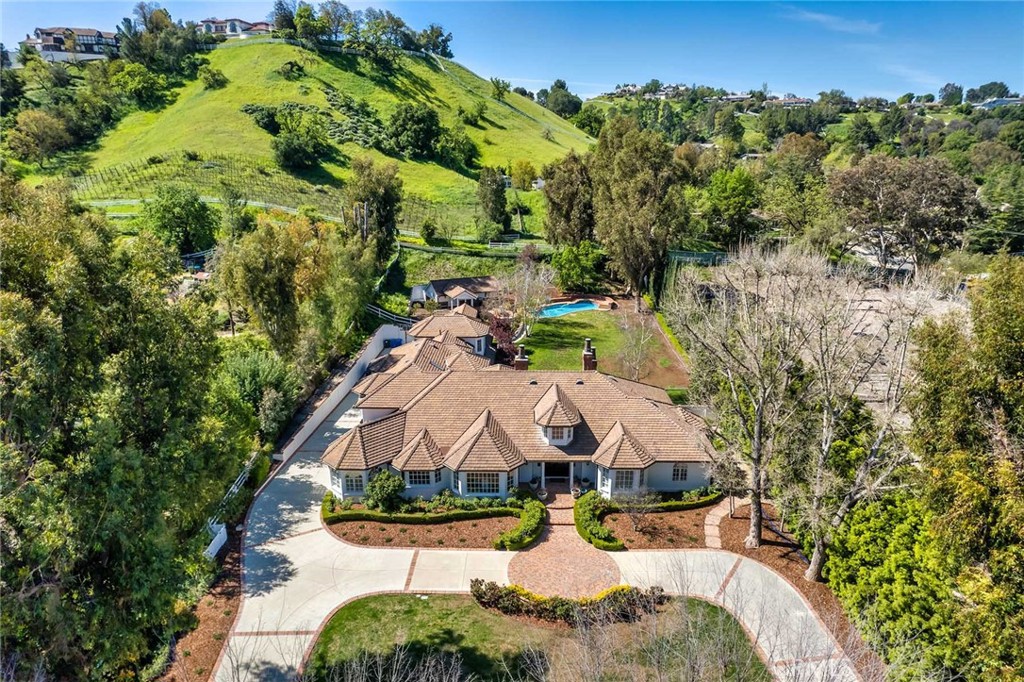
(621, 603)
(531, 525)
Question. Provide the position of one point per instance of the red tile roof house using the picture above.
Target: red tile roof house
(444, 421)
(455, 292)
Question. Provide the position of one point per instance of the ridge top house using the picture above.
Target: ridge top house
(54, 43)
(234, 27)
(443, 418)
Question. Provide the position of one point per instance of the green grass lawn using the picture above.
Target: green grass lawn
(557, 342)
(210, 122)
(490, 644)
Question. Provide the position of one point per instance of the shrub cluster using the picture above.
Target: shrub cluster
(587, 514)
(531, 524)
(622, 603)
(334, 512)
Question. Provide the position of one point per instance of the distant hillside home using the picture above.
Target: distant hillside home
(234, 27)
(453, 326)
(61, 39)
(483, 430)
(455, 292)
(789, 102)
(1000, 102)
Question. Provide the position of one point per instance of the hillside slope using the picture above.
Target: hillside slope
(210, 121)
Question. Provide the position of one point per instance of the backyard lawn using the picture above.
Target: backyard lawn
(557, 343)
(490, 644)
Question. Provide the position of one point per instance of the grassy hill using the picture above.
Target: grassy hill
(210, 121)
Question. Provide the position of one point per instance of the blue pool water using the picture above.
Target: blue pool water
(559, 309)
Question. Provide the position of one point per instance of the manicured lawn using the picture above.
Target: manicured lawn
(490, 643)
(451, 623)
(557, 343)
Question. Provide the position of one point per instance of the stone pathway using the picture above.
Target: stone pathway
(713, 521)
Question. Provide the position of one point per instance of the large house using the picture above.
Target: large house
(455, 292)
(64, 40)
(234, 27)
(460, 324)
(442, 417)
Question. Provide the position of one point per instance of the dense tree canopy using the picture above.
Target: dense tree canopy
(638, 206)
(570, 195)
(116, 441)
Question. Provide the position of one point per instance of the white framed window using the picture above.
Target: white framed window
(417, 478)
(643, 478)
(623, 479)
(354, 483)
(482, 483)
(679, 471)
(437, 475)
(557, 432)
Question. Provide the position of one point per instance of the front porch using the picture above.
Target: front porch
(546, 474)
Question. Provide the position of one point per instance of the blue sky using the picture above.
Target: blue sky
(865, 48)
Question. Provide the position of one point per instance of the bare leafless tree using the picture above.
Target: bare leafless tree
(637, 506)
(638, 340)
(736, 319)
(858, 347)
(527, 289)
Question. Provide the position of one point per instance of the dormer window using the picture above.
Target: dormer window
(558, 435)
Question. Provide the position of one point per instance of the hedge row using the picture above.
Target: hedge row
(330, 517)
(622, 603)
(587, 514)
(591, 508)
(531, 524)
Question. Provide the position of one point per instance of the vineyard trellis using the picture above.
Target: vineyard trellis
(259, 182)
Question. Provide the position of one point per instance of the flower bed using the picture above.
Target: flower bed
(591, 508)
(439, 510)
(622, 603)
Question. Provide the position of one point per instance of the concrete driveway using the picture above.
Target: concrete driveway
(295, 574)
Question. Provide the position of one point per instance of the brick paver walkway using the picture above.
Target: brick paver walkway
(562, 564)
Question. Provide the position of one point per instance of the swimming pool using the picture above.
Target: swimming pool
(559, 309)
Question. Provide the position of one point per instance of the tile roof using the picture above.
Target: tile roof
(456, 323)
(620, 450)
(448, 403)
(485, 446)
(555, 409)
(367, 445)
(419, 454)
(467, 310)
(483, 284)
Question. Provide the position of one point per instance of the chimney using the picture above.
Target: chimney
(521, 361)
(589, 357)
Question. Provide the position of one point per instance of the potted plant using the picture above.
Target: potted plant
(576, 492)
(534, 482)
(586, 483)
(542, 494)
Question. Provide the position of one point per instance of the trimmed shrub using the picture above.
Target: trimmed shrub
(531, 524)
(384, 491)
(329, 515)
(622, 603)
(587, 514)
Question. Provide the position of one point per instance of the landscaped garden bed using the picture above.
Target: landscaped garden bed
(443, 521)
(670, 523)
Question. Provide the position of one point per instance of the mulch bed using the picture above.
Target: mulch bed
(661, 530)
(475, 534)
(780, 552)
(195, 654)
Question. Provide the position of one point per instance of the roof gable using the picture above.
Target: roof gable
(620, 450)
(555, 409)
(485, 446)
(420, 453)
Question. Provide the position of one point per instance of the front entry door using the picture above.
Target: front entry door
(556, 470)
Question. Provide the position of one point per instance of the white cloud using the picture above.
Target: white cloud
(836, 23)
(913, 75)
